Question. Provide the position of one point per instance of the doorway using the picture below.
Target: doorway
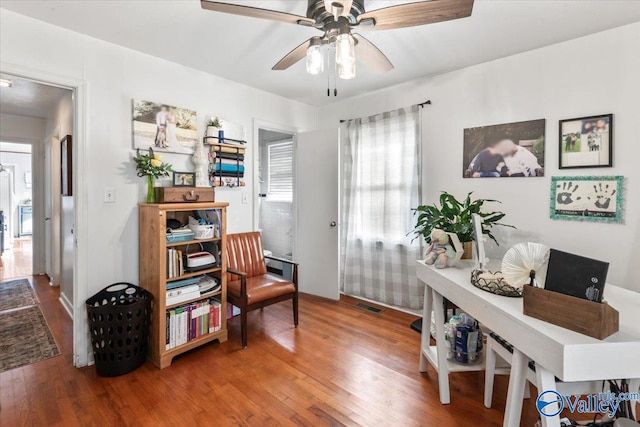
(36, 111)
(16, 210)
(276, 214)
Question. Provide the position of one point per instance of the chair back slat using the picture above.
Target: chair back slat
(244, 253)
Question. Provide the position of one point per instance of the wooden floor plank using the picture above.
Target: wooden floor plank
(341, 366)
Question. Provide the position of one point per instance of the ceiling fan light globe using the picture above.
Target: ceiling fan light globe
(345, 49)
(347, 70)
(315, 60)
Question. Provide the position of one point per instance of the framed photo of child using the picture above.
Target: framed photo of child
(586, 142)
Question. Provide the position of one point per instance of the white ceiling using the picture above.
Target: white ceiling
(30, 99)
(244, 49)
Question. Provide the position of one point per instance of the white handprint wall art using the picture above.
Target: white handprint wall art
(587, 198)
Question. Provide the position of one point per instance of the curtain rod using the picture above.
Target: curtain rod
(421, 105)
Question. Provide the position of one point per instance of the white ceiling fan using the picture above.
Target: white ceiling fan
(337, 18)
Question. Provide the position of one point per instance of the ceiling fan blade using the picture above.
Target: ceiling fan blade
(292, 57)
(255, 12)
(373, 57)
(418, 13)
(345, 4)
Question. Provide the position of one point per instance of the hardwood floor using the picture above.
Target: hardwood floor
(341, 366)
(17, 262)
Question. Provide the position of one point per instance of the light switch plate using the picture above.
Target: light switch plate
(245, 198)
(109, 195)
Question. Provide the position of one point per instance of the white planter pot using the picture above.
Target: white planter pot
(212, 131)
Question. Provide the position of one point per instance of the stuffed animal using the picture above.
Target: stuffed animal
(439, 250)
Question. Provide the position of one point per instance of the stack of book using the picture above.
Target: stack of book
(179, 235)
(191, 321)
(188, 289)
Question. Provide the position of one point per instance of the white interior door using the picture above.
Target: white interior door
(7, 203)
(317, 198)
(48, 210)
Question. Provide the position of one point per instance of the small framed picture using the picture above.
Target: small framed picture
(586, 142)
(184, 179)
(587, 198)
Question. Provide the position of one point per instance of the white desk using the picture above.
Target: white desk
(557, 351)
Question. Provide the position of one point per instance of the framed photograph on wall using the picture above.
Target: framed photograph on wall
(66, 166)
(507, 150)
(587, 198)
(184, 179)
(586, 142)
(163, 127)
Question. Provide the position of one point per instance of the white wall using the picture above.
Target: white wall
(113, 76)
(21, 129)
(59, 125)
(597, 74)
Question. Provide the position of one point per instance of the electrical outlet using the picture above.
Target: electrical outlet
(245, 198)
(109, 195)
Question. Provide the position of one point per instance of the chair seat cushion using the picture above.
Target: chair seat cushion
(260, 288)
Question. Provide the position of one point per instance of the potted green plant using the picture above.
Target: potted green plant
(213, 127)
(454, 216)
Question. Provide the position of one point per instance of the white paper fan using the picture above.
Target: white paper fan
(521, 259)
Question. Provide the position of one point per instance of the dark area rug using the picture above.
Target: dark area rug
(16, 293)
(25, 338)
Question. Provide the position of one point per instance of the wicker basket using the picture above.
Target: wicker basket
(497, 286)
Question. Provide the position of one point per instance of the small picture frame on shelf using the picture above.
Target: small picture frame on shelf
(586, 142)
(184, 179)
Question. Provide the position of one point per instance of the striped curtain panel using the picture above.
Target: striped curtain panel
(381, 183)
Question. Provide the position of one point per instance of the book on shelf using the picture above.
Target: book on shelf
(192, 321)
(175, 263)
(183, 282)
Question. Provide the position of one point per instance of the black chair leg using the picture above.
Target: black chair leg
(295, 310)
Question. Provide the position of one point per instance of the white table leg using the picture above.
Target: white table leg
(443, 365)
(426, 327)
(517, 379)
(546, 381)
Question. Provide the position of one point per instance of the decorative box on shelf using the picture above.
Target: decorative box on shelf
(594, 319)
(185, 194)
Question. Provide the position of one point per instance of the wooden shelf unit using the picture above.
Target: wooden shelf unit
(153, 272)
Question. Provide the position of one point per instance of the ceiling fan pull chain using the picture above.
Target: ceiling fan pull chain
(329, 70)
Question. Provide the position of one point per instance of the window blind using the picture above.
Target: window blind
(281, 172)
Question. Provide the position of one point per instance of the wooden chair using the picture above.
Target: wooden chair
(249, 285)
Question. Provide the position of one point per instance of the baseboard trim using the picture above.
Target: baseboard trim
(68, 307)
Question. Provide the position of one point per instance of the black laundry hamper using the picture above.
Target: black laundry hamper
(119, 319)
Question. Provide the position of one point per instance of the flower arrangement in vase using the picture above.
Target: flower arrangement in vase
(151, 166)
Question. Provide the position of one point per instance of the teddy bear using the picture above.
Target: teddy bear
(439, 250)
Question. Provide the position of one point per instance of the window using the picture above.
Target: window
(280, 172)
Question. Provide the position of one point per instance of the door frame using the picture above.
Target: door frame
(275, 127)
(81, 348)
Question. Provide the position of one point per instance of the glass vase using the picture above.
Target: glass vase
(151, 189)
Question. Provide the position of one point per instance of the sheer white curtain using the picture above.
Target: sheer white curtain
(381, 170)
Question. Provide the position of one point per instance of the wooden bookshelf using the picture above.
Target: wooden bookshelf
(153, 273)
